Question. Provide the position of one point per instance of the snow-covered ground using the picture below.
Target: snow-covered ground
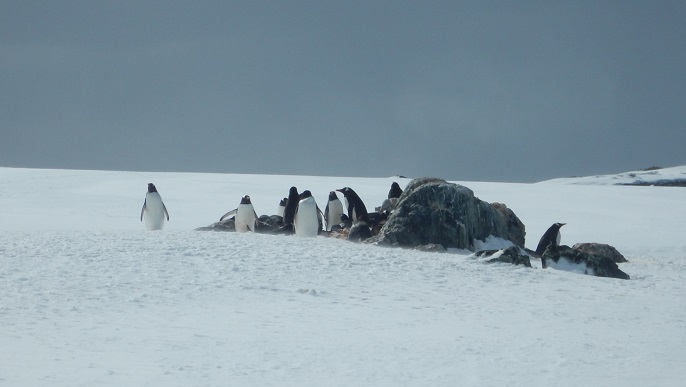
(91, 298)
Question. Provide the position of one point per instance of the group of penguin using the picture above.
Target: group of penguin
(298, 213)
(301, 215)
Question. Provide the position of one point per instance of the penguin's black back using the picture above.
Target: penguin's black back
(291, 205)
(395, 191)
(549, 238)
(354, 203)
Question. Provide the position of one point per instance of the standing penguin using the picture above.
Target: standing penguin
(153, 209)
(307, 216)
(246, 217)
(282, 207)
(395, 191)
(356, 208)
(551, 237)
(333, 211)
(291, 206)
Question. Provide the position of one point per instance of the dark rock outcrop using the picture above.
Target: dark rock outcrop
(433, 211)
(512, 255)
(602, 250)
(515, 227)
(565, 258)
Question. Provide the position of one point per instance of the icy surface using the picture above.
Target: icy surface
(91, 298)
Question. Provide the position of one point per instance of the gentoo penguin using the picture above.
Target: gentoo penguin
(246, 217)
(282, 207)
(395, 191)
(333, 211)
(360, 230)
(291, 205)
(356, 207)
(153, 209)
(306, 220)
(551, 237)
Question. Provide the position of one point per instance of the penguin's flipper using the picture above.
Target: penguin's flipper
(142, 211)
(254, 224)
(165, 211)
(320, 214)
(230, 213)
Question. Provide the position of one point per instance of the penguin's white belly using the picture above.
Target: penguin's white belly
(306, 222)
(154, 211)
(245, 218)
(334, 213)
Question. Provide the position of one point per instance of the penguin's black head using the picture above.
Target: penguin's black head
(283, 202)
(346, 191)
(293, 192)
(306, 194)
(332, 195)
(245, 200)
(151, 187)
(560, 224)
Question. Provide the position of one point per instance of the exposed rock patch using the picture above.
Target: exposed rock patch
(568, 259)
(433, 211)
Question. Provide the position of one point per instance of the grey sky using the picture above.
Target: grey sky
(492, 91)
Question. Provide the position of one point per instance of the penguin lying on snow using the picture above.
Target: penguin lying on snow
(360, 230)
(550, 237)
(153, 209)
(246, 217)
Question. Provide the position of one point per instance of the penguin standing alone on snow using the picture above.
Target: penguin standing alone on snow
(551, 237)
(153, 209)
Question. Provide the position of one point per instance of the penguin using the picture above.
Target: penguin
(395, 191)
(307, 216)
(333, 211)
(291, 205)
(153, 209)
(246, 217)
(360, 230)
(282, 207)
(551, 237)
(345, 221)
(356, 208)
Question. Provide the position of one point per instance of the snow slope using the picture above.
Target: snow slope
(652, 176)
(91, 298)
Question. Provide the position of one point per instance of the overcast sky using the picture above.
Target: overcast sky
(491, 91)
